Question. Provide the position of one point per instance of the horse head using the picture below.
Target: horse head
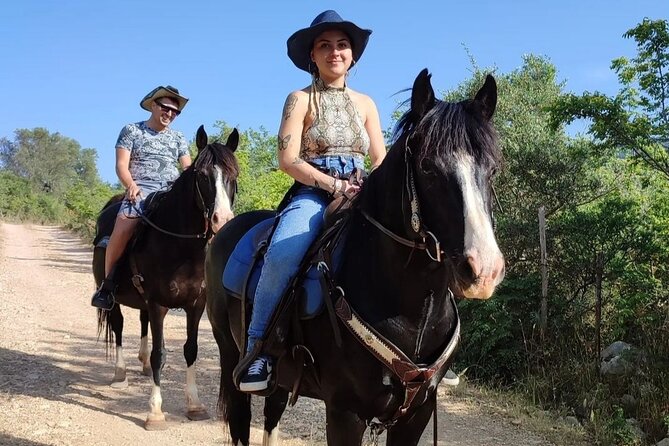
(451, 154)
(216, 172)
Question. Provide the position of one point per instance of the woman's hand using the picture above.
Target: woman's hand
(133, 192)
(343, 187)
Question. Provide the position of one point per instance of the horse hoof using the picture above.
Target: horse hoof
(197, 415)
(119, 384)
(158, 424)
(119, 374)
(147, 371)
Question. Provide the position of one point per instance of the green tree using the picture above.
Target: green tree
(49, 161)
(542, 167)
(636, 120)
(261, 183)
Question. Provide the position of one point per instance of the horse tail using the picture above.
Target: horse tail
(104, 326)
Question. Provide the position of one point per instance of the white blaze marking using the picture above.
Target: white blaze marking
(479, 237)
(222, 205)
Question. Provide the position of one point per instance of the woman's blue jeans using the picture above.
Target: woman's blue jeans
(300, 222)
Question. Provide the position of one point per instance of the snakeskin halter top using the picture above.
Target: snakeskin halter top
(337, 128)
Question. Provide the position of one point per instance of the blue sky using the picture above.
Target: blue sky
(80, 67)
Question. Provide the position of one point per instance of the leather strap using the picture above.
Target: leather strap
(414, 378)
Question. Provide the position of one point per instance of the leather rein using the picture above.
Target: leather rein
(206, 210)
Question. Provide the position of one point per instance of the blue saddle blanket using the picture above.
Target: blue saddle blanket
(310, 301)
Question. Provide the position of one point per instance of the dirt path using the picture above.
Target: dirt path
(54, 376)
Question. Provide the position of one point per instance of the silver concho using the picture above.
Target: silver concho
(415, 222)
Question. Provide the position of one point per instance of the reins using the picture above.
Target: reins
(206, 213)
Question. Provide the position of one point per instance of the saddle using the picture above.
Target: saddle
(107, 218)
(308, 293)
(105, 225)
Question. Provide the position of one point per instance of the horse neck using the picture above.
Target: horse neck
(178, 210)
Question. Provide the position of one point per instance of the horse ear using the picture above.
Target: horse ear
(422, 95)
(487, 97)
(201, 139)
(233, 140)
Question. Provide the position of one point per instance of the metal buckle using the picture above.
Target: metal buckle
(437, 247)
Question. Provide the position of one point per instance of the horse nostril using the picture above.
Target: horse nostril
(465, 269)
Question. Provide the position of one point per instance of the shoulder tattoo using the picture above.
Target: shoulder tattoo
(288, 108)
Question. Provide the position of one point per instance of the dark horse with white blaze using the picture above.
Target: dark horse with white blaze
(163, 266)
(420, 232)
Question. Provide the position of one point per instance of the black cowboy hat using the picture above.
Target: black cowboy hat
(163, 92)
(301, 43)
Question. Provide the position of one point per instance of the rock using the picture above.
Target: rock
(629, 404)
(615, 349)
(617, 366)
(634, 427)
(572, 421)
(664, 442)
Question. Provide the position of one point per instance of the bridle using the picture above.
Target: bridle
(428, 239)
(207, 212)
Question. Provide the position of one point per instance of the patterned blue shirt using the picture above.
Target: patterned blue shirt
(153, 155)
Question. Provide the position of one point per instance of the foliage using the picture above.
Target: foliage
(636, 120)
(19, 202)
(49, 161)
(596, 202)
(84, 203)
(261, 183)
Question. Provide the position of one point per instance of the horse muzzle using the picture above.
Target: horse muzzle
(218, 219)
(477, 278)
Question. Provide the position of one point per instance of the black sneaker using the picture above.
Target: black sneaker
(103, 297)
(257, 376)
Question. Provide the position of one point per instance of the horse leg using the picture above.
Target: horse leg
(275, 404)
(156, 418)
(343, 428)
(120, 379)
(144, 355)
(407, 432)
(234, 407)
(196, 410)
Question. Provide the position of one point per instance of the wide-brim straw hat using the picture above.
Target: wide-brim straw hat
(301, 42)
(163, 92)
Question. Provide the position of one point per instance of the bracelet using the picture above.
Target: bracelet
(342, 187)
(338, 187)
(334, 185)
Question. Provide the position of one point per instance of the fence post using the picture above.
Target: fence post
(599, 272)
(543, 313)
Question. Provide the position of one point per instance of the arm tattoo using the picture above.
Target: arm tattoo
(317, 184)
(298, 160)
(283, 142)
(289, 106)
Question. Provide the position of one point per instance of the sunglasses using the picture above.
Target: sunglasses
(167, 109)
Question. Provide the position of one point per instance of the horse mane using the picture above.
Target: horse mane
(448, 127)
(217, 154)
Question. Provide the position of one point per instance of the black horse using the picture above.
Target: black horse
(420, 233)
(163, 266)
